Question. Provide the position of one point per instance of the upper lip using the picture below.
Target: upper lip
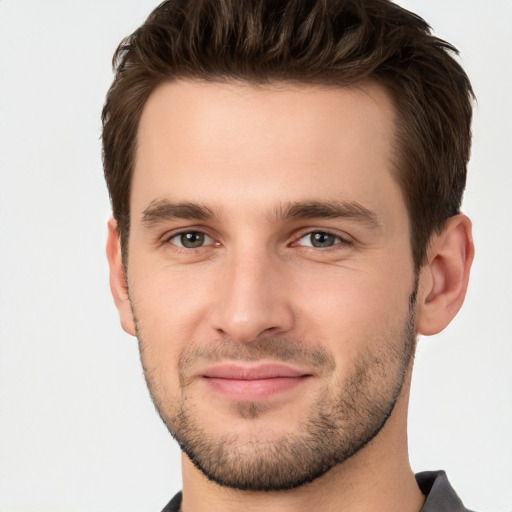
(252, 372)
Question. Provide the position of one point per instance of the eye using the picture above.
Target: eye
(320, 240)
(190, 239)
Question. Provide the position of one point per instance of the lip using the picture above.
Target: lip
(253, 382)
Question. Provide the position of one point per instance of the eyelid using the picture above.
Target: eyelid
(344, 239)
(169, 235)
(178, 235)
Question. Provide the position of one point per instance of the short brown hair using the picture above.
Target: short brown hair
(330, 42)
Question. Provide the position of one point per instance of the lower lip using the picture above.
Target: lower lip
(257, 389)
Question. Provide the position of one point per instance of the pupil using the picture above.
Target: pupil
(192, 239)
(320, 239)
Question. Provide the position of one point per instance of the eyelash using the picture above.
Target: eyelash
(168, 239)
(339, 243)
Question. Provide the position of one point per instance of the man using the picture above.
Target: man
(286, 179)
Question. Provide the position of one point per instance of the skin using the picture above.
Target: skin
(245, 154)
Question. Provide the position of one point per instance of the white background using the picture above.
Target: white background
(77, 430)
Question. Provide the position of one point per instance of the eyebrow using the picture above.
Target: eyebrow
(351, 210)
(163, 210)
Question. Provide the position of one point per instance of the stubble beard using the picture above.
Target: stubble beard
(343, 420)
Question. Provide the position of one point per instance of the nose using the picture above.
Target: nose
(252, 301)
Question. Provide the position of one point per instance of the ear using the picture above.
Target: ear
(444, 279)
(117, 278)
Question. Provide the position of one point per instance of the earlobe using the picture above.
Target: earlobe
(117, 278)
(444, 279)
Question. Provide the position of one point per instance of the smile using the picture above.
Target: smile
(243, 382)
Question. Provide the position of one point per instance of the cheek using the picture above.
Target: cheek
(168, 306)
(351, 310)
(168, 298)
(173, 305)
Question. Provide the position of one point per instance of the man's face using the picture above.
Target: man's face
(270, 275)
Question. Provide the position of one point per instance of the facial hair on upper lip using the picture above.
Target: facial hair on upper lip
(281, 350)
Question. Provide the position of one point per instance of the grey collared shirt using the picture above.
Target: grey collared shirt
(440, 496)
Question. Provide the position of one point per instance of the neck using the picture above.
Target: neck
(378, 477)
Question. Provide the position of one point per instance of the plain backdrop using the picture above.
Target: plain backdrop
(78, 432)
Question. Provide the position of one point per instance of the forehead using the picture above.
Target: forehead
(203, 142)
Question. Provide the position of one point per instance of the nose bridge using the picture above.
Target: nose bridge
(252, 301)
